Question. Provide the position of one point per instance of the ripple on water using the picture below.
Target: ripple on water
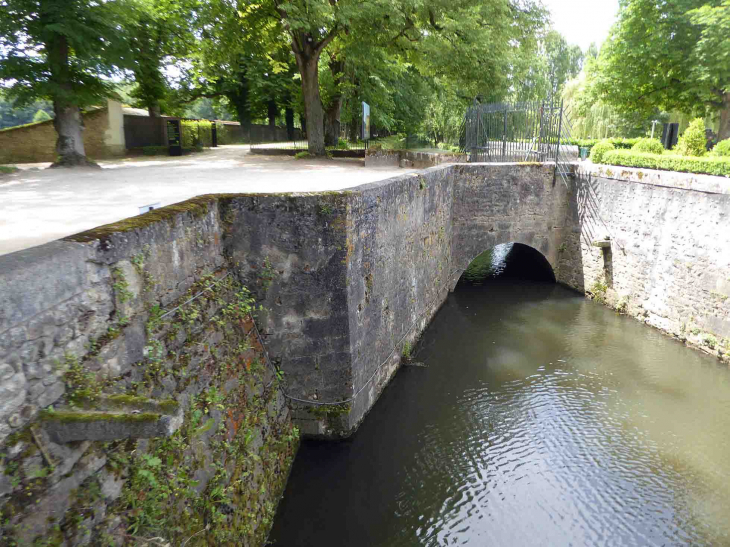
(542, 419)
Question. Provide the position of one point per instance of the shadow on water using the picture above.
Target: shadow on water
(541, 418)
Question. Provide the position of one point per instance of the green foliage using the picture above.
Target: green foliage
(693, 141)
(6, 169)
(668, 55)
(155, 150)
(82, 386)
(60, 49)
(721, 149)
(652, 146)
(600, 149)
(598, 291)
(302, 155)
(687, 164)
(41, 116)
(196, 133)
(406, 353)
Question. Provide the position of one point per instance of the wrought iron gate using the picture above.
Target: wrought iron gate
(520, 132)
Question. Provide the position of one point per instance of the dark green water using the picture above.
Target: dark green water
(542, 419)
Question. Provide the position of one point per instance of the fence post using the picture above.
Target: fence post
(557, 146)
(504, 135)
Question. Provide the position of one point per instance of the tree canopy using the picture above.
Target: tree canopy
(417, 63)
(672, 55)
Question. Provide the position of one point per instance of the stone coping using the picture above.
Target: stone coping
(711, 184)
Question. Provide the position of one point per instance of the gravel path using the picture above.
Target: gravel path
(38, 205)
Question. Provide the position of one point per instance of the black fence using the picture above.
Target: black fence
(519, 132)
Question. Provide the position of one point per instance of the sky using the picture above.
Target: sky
(583, 21)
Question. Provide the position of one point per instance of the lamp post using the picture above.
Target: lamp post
(653, 125)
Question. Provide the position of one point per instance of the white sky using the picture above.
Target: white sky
(583, 21)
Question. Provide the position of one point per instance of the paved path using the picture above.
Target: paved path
(40, 205)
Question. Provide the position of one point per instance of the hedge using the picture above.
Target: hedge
(686, 164)
(621, 143)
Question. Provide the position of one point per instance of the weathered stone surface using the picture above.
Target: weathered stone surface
(347, 279)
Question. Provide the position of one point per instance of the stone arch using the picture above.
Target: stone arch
(518, 260)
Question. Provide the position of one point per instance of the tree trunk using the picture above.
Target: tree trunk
(68, 122)
(289, 117)
(724, 131)
(332, 115)
(154, 111)
(70, 144)
(238, 97)
(272, 112)
(308, 62)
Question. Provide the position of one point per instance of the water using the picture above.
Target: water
(542, 419)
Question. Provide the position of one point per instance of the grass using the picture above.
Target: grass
(7, 169)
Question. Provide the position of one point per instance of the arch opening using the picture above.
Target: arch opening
(508, 261)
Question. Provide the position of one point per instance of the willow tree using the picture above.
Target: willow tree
(61, 50)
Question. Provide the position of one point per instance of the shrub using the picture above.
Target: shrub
(196, 133)
(692, 142)
(302, 155)
(722, 149)
(687, 164)
(155, 150)
(600, 149)
(652, 146)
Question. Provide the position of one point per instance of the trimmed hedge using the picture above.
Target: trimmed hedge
(620, 143)
(652, 146)
(722, 149)
(600, 150)
(687, 164)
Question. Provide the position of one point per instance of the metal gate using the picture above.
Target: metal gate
(520, 132)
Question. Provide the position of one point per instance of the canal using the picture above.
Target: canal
(540, 418)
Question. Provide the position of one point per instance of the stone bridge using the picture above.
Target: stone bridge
(348, 279)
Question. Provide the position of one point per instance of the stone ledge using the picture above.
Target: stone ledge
(710, 184)
(68, 426)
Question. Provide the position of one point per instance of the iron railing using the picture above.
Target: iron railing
(520, 132)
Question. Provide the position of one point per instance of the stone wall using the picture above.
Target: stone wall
(130, 351)
(378, 157)
(508, 203)
(136, 399)
(36, 142)
(655, 245)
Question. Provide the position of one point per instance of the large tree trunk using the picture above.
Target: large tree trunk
(312, 104)
(238, 98)
(724, 131)
(70, 144)
(68, 121)
(307, 55)
(154, 111)
(332, 115)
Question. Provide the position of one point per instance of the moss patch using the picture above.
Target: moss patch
(79, 417)
(197, 207)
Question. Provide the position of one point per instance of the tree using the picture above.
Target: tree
(467, 40)
(59, 50)
(159, 32)
(669, 55)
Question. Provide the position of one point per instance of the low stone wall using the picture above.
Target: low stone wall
(655, 245)
(103, 138)
(378, 157)
(136, 396)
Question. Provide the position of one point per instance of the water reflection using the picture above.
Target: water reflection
(542, 419)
